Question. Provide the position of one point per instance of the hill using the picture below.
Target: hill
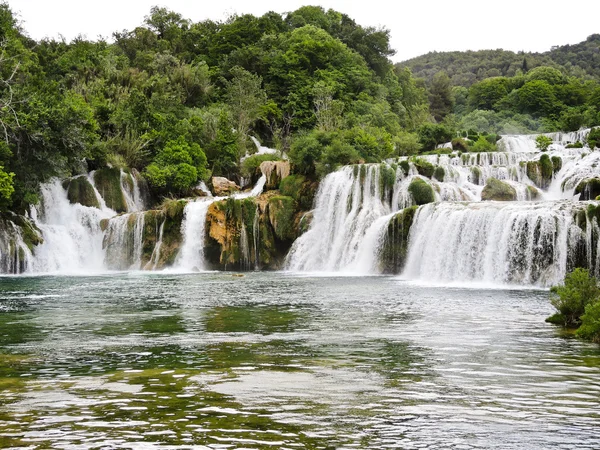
(466, 68)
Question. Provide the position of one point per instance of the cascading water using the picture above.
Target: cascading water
(15, 256)
(123, 242)
(193, 229)
(348, 202)
(461, 238)
(494, 242)
(131, 192)
(71, 232)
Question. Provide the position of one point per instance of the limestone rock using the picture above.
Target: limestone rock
(223, 187)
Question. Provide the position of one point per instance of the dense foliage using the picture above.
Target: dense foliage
(180, 101)
(577, 301)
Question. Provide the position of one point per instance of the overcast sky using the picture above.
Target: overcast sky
(417, 26)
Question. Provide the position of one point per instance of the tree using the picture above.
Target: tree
(441, 102)
(246, 98)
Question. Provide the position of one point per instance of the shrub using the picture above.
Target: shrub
(579, 290)
(460, 144)
(543, 142)
(593, 138)
(483, 145)
(590, 322)
(577, 144)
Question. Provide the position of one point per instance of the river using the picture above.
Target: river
(277, 360)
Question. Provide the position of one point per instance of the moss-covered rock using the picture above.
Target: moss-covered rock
(533, 193)
(108, 184)
(476, 176)
(405, 166)
(499, 191)
(282, 213)
(421, 191)
(541, 172)
(424, 167)
(439, 173)
(556, 163)
(301, 189)
(395, 245)
(588, 189)
(80, 190)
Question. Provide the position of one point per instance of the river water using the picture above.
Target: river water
(274, 360)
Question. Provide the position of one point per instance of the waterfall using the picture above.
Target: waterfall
(15, 256)
(131, 192)
(495, 242)
(155, 257)
(72, 233)
(193, 229)
(348, 202)
(123, 242)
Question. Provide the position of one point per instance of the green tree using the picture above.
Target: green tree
(441, 102)
(246, 98)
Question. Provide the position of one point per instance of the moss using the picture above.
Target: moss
(387, 178)
(395, 244)
(301, 189)
(421, 191)
(588, 189)
(405, 166)
(498, 190)
(547, 168)
(173, 207)
(80, 190)
(533, 193)
(424, 167)
(282, 211)
(303, 220)
(108, 184)
(439, 173)
(593, 211)
(476, 177)
(30, 233)
(556, 163)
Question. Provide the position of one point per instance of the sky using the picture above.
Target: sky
(417, 26)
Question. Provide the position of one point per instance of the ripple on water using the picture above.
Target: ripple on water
(280, 361)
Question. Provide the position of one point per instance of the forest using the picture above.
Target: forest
(179, 101)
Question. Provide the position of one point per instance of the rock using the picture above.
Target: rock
(275, 171)
(80, 190)
(533, 193)
(223, 187)
(588, 189)
(499, 191)
(282, 211)
(300, 189)
(395, 244)
(108, 184)
(421, 191)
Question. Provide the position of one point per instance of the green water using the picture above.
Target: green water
(149, 361)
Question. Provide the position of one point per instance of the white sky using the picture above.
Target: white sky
(417, 26)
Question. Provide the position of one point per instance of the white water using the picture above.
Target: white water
(123, 242)
(71, 232)
(193, 229)
(15, 256)
(494, 242)
(460, 238)
(346, 207)
(131, 192)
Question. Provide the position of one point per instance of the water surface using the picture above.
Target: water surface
(152, 361)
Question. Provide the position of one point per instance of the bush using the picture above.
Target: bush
(577, 144)
(431, 134)
(593, 138)
(579, 290)
(483, 145)
(590, 323)
(424, 167)
(460, 144)
(543, 142)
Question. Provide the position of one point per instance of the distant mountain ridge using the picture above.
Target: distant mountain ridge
(468, 67)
